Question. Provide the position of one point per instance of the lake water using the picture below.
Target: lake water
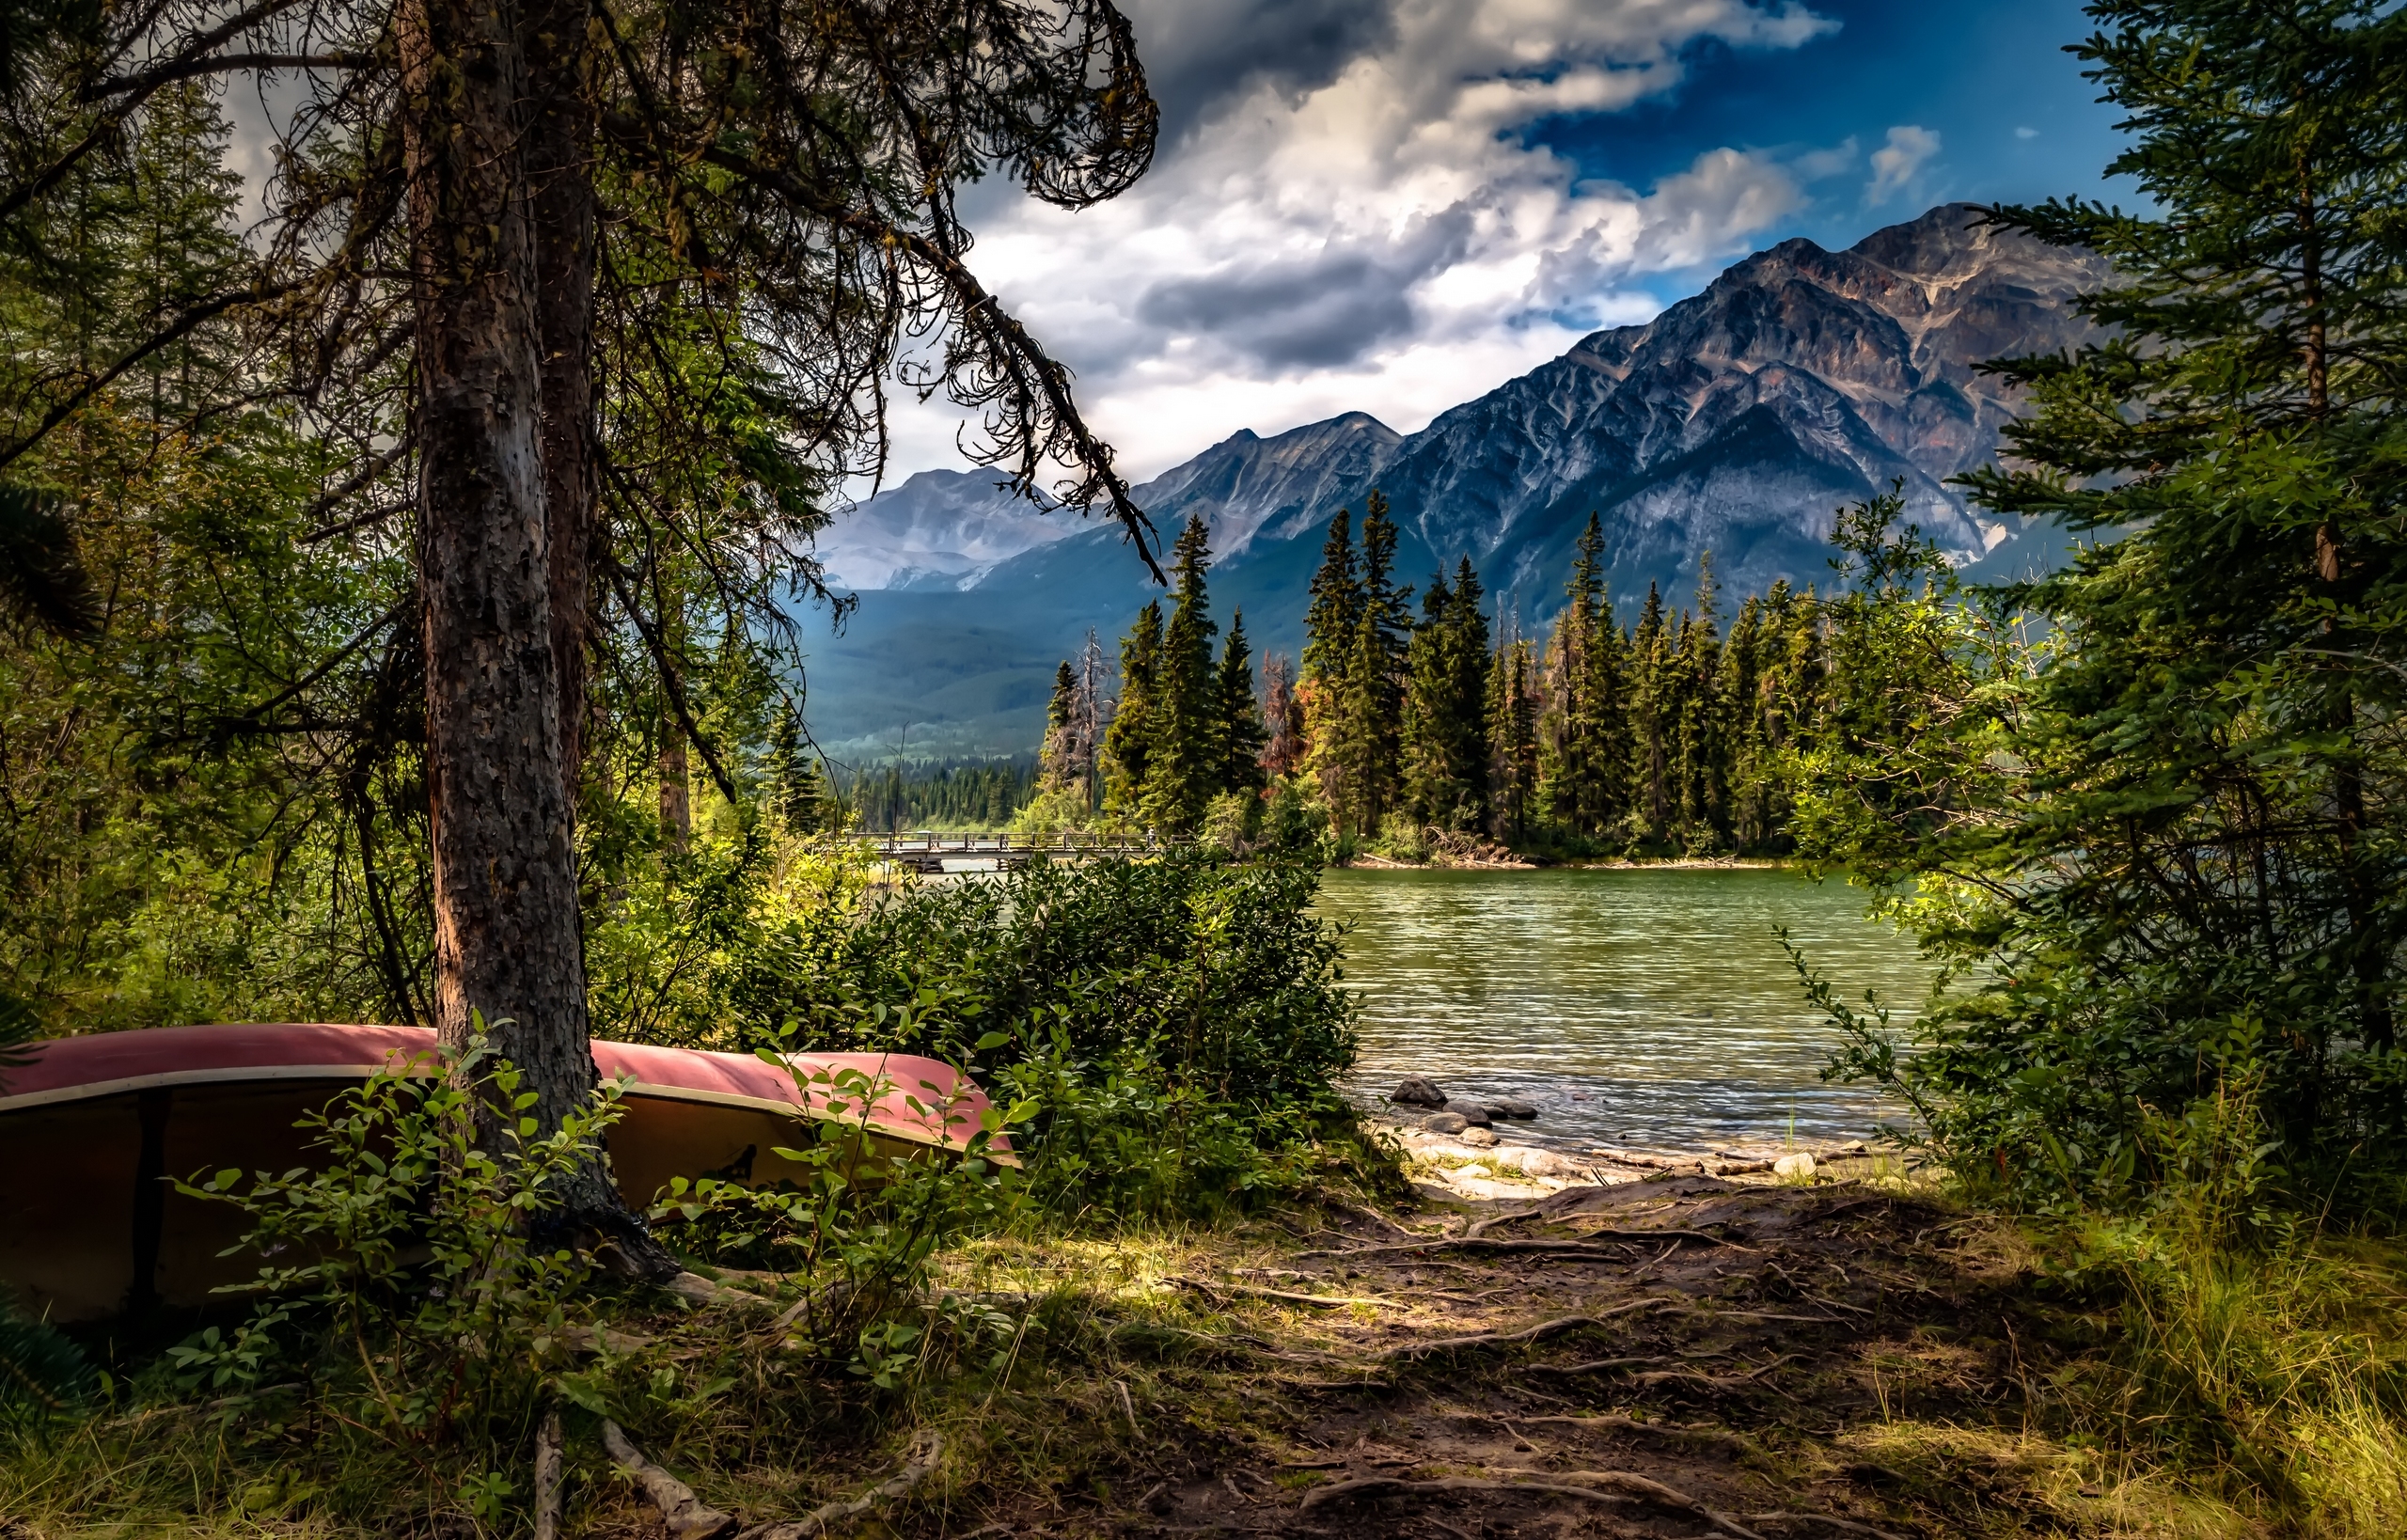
(1642, 1007)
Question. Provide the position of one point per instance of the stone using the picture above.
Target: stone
(1418, 1091)
(1478, 1138)
(1444, 1122)
(1800, 1164)
(1511, 1107)
(1472, 1113)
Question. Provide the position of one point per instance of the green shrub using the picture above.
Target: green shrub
(401, 1265)
(1178, 1019)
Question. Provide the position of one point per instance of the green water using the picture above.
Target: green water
(1640, 1007)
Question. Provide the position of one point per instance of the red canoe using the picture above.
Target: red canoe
(93, 1130)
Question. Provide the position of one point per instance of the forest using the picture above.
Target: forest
(1400, 735)
(401, 556)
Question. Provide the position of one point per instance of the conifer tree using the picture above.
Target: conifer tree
(1369, 715)
(1240, 735)
(798, 790)
(1061, 761)
(1649, 686)
(1336, 605)
(1129, 743)
(1585, 772)
(2177, 849)
(1445, 748)
(1182, 770)
(1514, 709)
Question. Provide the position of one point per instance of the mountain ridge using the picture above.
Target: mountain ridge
(1798, 380)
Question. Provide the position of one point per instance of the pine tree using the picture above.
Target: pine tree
(1129, 743)
(1650, 687)
(1336, 605)
(1371, 709)
(1444, 753)
(1514, 710)
(1184, 768)
(798, 792)
(1332, 624)
(1586, 767)
(2188, 825)
(1063, 758)
(1240, 734)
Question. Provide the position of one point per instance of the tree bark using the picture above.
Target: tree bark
(563, 121)
(506, 930)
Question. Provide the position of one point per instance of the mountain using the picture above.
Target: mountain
(940, 529)
(1732, 423)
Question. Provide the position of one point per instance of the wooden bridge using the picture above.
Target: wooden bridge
(926, 852)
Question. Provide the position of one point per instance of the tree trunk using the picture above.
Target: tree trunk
(506, 930)
(562, 122)
(676, 804)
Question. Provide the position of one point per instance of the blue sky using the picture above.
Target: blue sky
(2016, 121)
(1394, 206)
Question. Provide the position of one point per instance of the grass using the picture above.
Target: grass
(2169, 1379)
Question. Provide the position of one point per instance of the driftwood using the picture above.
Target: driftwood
(547, 1476)
(688, 1517)
(1527, 1334)
(918, 1462)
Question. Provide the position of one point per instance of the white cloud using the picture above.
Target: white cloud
(1896, 164)
(1374, 232)
(2027, 133)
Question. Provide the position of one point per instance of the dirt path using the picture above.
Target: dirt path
(1679, 1357)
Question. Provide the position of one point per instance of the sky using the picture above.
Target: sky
(1394, 206)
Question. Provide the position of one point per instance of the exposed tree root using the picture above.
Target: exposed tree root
(1483, 1226)
(1844, 1526)
(1615, 1422)
(1527, 1334)
(1596, 1485)
(1325, 1301)
(918, 1462)
(687, 1517)
(1482, 1243)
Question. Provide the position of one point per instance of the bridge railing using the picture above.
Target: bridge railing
(928, 843)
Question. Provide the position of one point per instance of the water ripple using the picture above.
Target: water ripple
(1648, 1007)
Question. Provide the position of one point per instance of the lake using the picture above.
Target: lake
(1636, 1007)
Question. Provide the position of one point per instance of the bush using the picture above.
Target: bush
(1178, 1019)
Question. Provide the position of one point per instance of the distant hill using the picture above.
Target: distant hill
(1735, 422)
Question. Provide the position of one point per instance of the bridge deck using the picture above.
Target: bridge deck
(924, 851)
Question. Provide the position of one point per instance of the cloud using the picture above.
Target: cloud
(1896, 164)
(1349, 212)
(2027, 133)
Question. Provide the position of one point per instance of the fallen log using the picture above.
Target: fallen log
(547, 1476)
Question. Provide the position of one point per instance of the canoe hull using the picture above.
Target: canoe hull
(91, 1227)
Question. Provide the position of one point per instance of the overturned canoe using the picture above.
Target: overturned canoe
(94, 1130)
